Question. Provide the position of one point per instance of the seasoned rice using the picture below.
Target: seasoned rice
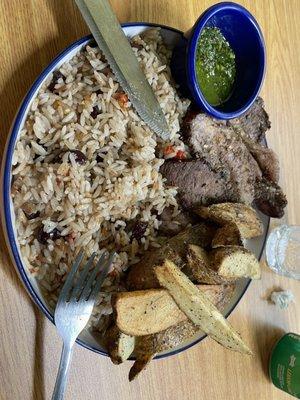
(91, 200)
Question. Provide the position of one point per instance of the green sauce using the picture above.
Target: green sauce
(215, 66)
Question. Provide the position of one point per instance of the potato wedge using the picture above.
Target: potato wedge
(198, 267)
(144, 312)
(219, 295)
(232, 262)
(147, 312)
(141, 275)
(227, 235)
(200, 234)
(140, 364)
(198, 308)
(222, 265)
(242, 215)
(150, 345)
(167, 339)
(119, 345)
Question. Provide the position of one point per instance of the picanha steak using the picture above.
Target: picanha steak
(230, 162)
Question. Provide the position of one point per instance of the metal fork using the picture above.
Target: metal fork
(74, 308)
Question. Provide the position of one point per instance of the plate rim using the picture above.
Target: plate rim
(7, 222)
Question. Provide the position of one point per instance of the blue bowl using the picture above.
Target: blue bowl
(242, 32)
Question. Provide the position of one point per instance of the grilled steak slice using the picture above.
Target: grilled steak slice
(255, 122)
(237, 149)
(224, 149)
(269, 198)
(266, 159)
(198, 183)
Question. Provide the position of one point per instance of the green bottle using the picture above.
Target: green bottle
(284, 364)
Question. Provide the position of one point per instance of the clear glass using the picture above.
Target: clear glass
(283, 251)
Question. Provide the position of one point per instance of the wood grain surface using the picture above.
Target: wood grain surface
(32, 32)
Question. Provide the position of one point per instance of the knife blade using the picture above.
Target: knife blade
(115, 46)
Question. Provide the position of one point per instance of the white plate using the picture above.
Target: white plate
(86, 339)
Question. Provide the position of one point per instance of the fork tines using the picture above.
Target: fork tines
(90, 278)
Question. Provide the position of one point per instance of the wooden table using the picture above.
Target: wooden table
(32, 33)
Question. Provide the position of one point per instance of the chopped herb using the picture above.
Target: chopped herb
(215, 66)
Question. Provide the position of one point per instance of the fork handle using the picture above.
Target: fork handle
(62, 375)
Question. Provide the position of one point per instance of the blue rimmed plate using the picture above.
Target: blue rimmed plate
(86, 339)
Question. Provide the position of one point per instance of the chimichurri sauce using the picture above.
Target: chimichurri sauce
(215, 66)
